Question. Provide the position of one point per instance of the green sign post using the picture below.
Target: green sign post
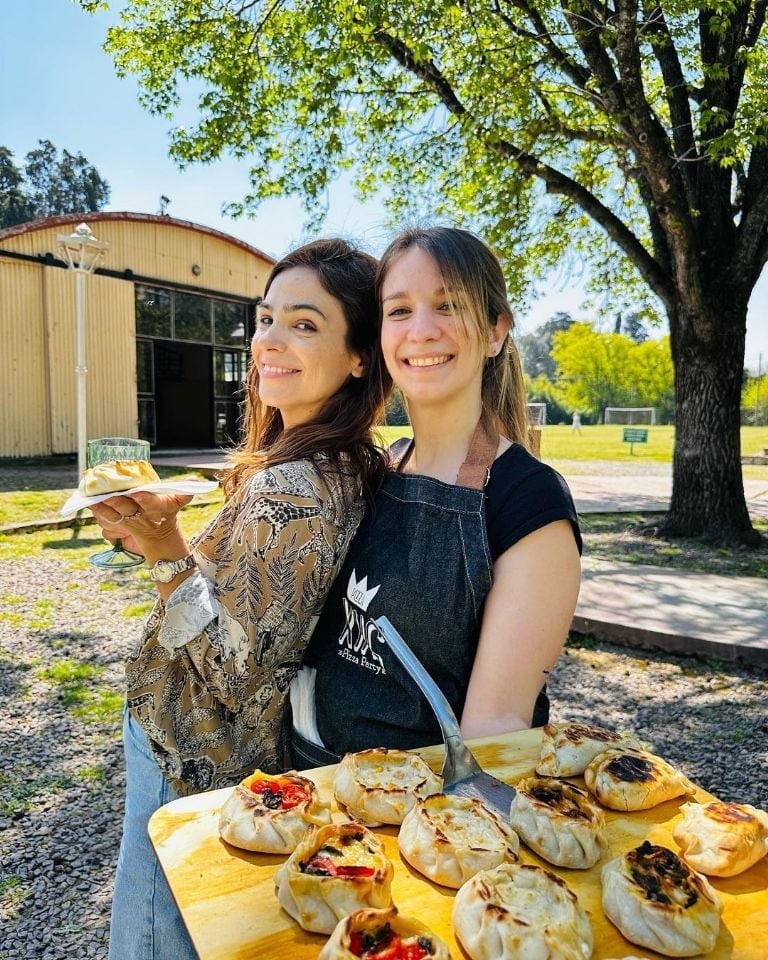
(633, 435)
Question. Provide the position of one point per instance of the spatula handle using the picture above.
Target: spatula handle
(459, 762)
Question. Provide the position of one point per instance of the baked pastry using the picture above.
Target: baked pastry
(518, 910)
(558, 821)
(450, 838)
(116, 475)
(380, 786)
(567, 748)
(335, 870)
(634, 780)
(270, 813)
(383, 934)
(722, 839)
(657, 901)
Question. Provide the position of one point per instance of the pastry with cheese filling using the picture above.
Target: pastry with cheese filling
(567, 748)
(380, 786)
(521, 911)
(722, 839)
(269, 814)
(335, 870)
(658, 902)
(558, 821)
(384, 934)
(116, 475)
(634, 780)
(450, 838)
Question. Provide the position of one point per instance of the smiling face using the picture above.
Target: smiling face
(431, 345)
(300, 346)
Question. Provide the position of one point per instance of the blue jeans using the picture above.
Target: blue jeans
(146, 923)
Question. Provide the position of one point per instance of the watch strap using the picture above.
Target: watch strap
(165, 570)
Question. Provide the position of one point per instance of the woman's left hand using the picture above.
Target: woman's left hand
(141, 518)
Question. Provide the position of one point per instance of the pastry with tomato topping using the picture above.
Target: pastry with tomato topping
(270, 814)
(559, 821)
(657, 901)
(335, 870)
(380, 786)
(567, 748)
(521, 911)
(722, 839)
(383, 935)
(634, 780)
(450, 838)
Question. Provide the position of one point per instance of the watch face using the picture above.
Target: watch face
(166, 570)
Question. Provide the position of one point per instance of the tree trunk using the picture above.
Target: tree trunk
(707, 486)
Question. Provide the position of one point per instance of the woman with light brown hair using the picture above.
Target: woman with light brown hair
(472, 551)
(208, 683)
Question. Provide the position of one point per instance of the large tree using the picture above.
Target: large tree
(48, 185)
(630, 134)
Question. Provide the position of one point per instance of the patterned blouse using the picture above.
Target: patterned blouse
(209, 681)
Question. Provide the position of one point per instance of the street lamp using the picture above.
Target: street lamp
(82, 253)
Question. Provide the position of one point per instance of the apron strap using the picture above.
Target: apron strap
(473, 472)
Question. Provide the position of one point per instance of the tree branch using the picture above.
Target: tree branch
(674, 84)
(575, 71)
(555, 181)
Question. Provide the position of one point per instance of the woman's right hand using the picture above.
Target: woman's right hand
(141, 520)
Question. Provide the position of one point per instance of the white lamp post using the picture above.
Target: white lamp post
(82, 253)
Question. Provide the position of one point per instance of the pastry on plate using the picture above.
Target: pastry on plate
(450, 838)
(380, 786)
(116, 475)
(385, 934)
(519, 910)
(658, 902)
(558, 821)
(634, 780)
(722, 839)
(567, 748)
(270, 813)
(335, 870)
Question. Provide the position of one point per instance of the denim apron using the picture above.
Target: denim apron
(421, 558)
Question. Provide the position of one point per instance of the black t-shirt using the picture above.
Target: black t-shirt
(522, 495)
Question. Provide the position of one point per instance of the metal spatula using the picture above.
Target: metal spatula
(461, 773)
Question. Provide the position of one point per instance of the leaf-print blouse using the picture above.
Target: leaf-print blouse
(209, 681)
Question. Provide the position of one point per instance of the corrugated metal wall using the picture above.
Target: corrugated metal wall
(110, 358)
(37, 326)
(24, 423)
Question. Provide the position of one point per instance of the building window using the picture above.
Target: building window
(191, 317)
(153, 311)
(229, 322)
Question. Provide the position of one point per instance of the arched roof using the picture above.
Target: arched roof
(123, 216)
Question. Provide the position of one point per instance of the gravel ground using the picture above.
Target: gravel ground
(61, 775)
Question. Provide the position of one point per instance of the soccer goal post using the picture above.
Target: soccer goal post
(630, 415)
(537, 414)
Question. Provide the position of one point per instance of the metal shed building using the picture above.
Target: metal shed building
(169, 315)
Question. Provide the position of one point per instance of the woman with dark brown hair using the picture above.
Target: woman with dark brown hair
(208, 683)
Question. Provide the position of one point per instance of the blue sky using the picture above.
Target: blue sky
(58, 84)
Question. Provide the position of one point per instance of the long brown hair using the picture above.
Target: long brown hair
(342, 428)
(470, 268)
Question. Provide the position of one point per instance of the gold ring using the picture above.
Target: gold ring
(130, 516)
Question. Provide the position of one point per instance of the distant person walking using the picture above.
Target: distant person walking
(576, 422)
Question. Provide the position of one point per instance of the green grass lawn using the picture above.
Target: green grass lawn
(605, 442)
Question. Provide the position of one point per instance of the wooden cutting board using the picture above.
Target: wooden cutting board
(227, 898)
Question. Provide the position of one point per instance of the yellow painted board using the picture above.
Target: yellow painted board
(227, 896)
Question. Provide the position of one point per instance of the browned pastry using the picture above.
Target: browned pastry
(658, 902)
(722, 839)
